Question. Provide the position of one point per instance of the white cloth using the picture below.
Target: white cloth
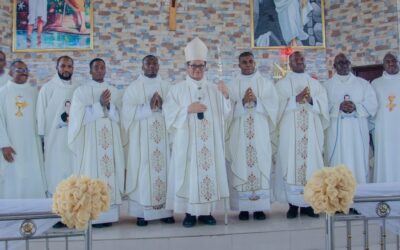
(4, 78)
(292, 19)
(198, 178)
(37, 8)
(147, 149)
(196, 50)
(386, 131)
(53, 108)
(24, 177)
(249, 147)
(347, 138)
(95, 137)
(301, 130)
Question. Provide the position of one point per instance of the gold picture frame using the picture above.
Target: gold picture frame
(52, 25)
(304, 29)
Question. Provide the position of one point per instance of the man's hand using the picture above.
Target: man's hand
(249, 97)
(223, 89)
(156, 102)
(105, 98)
(197, 107)
(347, 107)
(8, 154)
(304, 96)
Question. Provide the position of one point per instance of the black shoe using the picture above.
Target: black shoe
(207, 219)
(102, 225)
(292, 212)
(244, 215)
(353, 211)
(259, 215)
(168, 220)
(59, 225)
(189, 220)
(309, 211)
(140, 222)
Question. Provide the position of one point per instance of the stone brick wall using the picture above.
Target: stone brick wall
(125, 31)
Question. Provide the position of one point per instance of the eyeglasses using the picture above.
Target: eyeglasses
(197, 66)
(22, 71)
(346, 62)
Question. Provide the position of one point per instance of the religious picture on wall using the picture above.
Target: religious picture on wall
(42, 25)
(287, 23)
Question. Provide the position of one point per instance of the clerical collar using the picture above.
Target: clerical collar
(198, 83)
(96, 84)
(249, 76)
(149, 80)
(389, 76)
(342, 78)
(66, 82)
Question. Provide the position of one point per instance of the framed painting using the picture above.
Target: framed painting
(52, 25)
(287, 23)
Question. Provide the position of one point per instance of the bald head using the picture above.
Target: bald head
(390, 64)
(341, 64)
(296, 62)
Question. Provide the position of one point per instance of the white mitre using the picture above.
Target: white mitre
(196, 50)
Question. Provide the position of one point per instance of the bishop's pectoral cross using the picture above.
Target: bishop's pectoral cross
(172, 15)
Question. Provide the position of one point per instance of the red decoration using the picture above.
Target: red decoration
(287, 51)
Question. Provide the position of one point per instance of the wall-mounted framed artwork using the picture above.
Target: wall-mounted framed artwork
(52, 25)
(287, 23)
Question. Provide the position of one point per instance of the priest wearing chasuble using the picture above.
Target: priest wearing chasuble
(194, 113)
(302, 119)
(94, 136)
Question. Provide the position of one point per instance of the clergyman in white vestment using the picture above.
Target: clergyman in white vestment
(386, 123)
(147, 147)
(352, 101)
(302, 120)
(249, 150)
(194, 112)
(53, 107)
(21, 164)
(94, 136)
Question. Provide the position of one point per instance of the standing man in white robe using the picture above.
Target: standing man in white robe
(386, 132)
(194, 112)
(249, 151)
(52, 115)
(22, 160)
(4, 76)
(94, 136)
(352, 101)
(147, 145)
(302, 120)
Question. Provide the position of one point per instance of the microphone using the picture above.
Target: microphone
(200, 116)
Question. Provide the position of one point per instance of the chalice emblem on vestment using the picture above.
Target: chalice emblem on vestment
(20, 103)
(391, 104)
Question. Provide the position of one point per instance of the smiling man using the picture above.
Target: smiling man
(52, 105)
(147, 146)
(249, 151)
(352, 101)
(386, 122)
(303, 118)
(194, 113)
(21, 163)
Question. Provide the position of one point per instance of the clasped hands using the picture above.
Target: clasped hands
(304, 96)
(347, 107)
(8, 153)
(156, 102)
(249, 97)
(105, 98)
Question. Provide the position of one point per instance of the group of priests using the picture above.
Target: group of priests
(194, 147)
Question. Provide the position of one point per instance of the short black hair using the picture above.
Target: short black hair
(246, 53)
(149, 57)
(95, 60)
(64, 57)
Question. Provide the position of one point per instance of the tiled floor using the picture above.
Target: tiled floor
(275, 233)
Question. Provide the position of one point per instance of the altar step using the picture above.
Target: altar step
(275, 233)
